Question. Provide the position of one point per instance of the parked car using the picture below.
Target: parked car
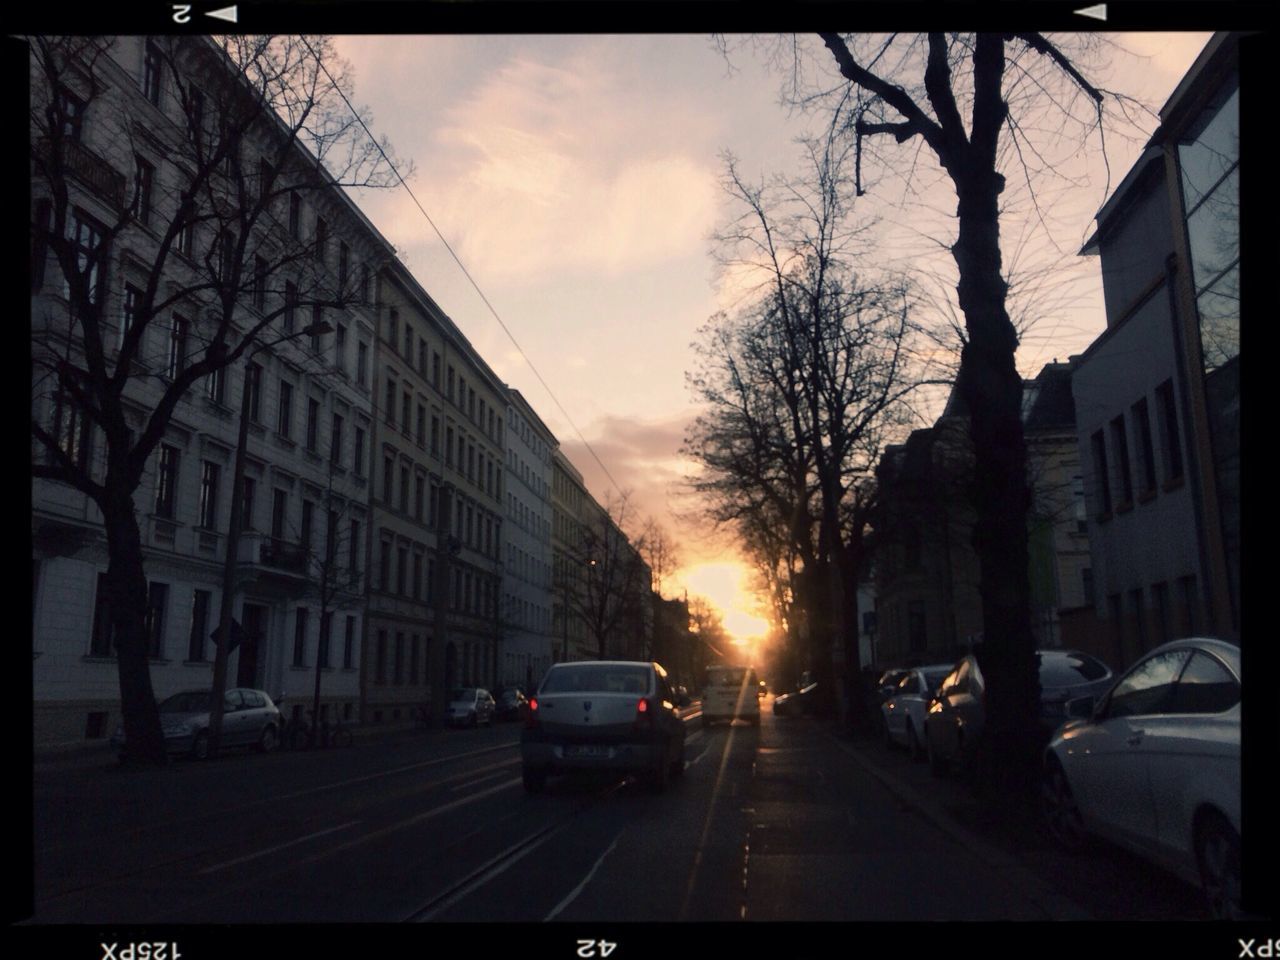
(902, 715)
(797, 702)
(603, 715)
(510, 704)
(729, 693)
(249, 718)
(1156, 768)
(469, 707)
(956, 714)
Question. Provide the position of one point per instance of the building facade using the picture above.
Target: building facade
(155, 110)
(568, 501)
(527, 642)
(1157, 394)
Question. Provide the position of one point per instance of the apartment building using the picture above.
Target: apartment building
(568, 500)
(137, 120)
(527, 643)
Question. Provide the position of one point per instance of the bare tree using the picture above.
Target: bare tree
(614, 579)
(208, 238)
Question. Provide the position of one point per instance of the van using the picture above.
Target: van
(730, 693)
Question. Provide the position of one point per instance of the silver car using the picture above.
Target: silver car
(469, 707)
(604, 715)
(1156, 768)
(904, 711)
(249, 718)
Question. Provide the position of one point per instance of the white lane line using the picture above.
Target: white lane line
(472, 783)
(282, 846)
(704, 752)
(573, 894)
(419, 818)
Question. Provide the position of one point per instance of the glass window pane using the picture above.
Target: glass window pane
(1212, 150)
(1219, 308)
(1148, 686)
(1214, 232)
(1206, 686)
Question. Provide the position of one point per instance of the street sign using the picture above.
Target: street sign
(237, 634)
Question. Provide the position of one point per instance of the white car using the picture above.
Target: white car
(730, 693)
(469, 707)
(904, 711)
(1156, 768)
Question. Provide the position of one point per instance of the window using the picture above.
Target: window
(246, 507)
(1101, 480)
(70, 109)
(322, 239)
(144, 176)
(402, 570)
(1205, 686)
(209, 476)
(216, 385)
(1124, 478)
(1086, 584)
(1167, 411)
(393, 324)
(335, 442)
(414, 651)
(449, 390)
(362, 364)
(353, 555)
(225, 252)
(408, 343)
(422, 425)
(326, 626)
(300, 637)
(152, 67)
(399, 668)
(308, 518)
(406, 402)
(284, 422)
(87, 237)
(178, 329)
(417, 576)
(1147, 689)
(259, 291)
(422, 357)
(102, 641)
(313, 424)
(153, 624)
(199, 625)
(417, 496)
(264, 179)
(167, 481)
(129, 312)
(1139, 620)
(380, 663)
(254, 391)
(435, 369)
(295, 215)
(389, 408)
(359, 452)
(404, 489)
(340, 349)
(387, 479)
(435, 435)
(186, 240)
(344, 263)
(448, 446)
(290, 306)
(317, 320)
(384, 566)
(331, 539)
(279, 512)
(348, 644)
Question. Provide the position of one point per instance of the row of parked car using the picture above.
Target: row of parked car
(1149, 760)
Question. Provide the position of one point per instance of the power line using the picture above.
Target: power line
(458, 261)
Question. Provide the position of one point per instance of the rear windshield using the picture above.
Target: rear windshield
(186, 703)
(597, 678)
(731, 677)
(1066, 670)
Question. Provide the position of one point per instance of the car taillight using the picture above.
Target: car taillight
(531, 712)
(644, 714)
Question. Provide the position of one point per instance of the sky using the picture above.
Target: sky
(577, 178)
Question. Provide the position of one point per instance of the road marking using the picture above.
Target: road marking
(276, 849)
(419, 818)
(488, 776)
(573, 894)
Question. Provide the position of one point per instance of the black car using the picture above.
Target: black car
(511, 703)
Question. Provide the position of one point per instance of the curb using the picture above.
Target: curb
(1056, 906)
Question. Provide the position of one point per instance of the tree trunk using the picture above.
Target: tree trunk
(126, 585)
(992, 390)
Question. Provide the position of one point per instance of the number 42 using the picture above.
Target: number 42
(595, 948)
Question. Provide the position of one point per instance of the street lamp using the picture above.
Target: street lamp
(223, 639)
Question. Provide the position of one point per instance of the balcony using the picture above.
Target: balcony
(280, 554)
(91, 170)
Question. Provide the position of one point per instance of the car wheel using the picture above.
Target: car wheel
(200, 746)
(1061, 812)
(535, 780)
(913, 743)
(268, 741)
(1218, 853)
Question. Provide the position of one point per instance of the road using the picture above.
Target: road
(769, 823)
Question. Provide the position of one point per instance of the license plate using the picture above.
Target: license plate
(586, 750)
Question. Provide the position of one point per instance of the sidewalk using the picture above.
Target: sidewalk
(1101, 883)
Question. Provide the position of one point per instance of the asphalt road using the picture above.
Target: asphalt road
(777, 823)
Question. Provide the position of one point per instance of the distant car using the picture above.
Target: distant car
(730, 693)
(510, 704)
(956, 715)
(249, 718)
(469, 707)
(1156, 768)
(903, 713)
(603, 715)
(797, 702)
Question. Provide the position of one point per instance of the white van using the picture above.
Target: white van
(730, 693)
